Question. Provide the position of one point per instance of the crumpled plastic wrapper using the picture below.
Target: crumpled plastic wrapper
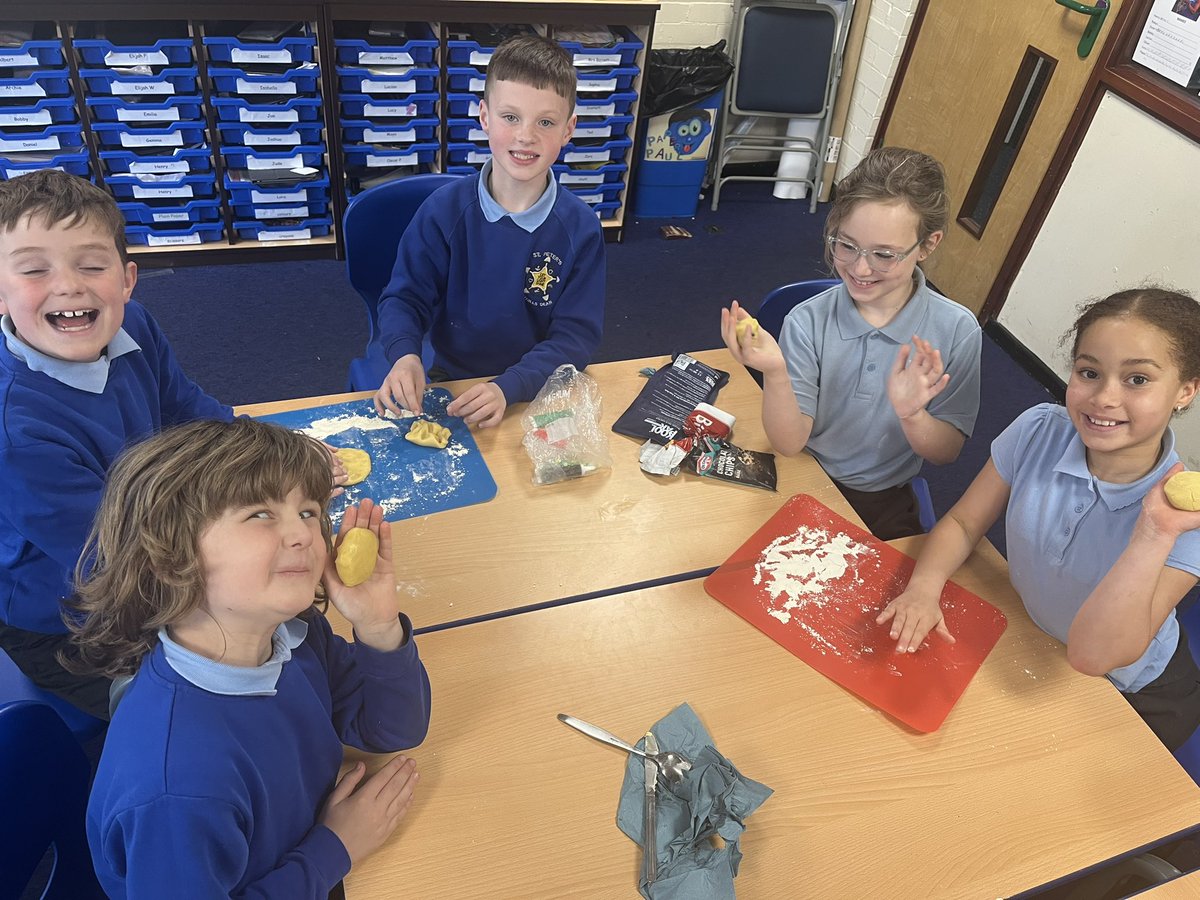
(562, 428)
(714, 800)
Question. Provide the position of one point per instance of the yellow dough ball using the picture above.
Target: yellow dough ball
(356, 462)
(1183, 490)
(356, 556)
(748, 322)
(428, 434)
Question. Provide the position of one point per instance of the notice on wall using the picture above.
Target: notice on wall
(1170, 42)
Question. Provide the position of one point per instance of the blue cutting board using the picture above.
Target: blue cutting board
(407, 480)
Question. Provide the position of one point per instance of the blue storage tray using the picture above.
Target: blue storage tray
(606, 127)
(607, 210)
(19, 164)
(167, 52)
(465, 130)
(287, 50)
(157, 236)
(55, 111)
(180, 162)
(373, 157)
(604, 81)
(575, 177)
(462, 106)
(418, 51)
(623, 53)
(172, 109)
(46, 83)
(246, 192)
(32, 53)
(362, 106)
(461, 170)
(265, 231)
(192, 211)
(265, 212)
(416, 80)
(605, 192)
(52, 137)
(173, 134)
(618, 104)
(468, 53)
(613, 150)
(390, 131)
(464, 78)
(183, 187)
(469, 154)
(260, 160)
(278, 138)
(165, 82)
(290, 83)
(237, 109)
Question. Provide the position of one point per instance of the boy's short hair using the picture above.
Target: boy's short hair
(536, 61)
(56, 197)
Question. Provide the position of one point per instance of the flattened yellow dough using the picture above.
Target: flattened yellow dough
(1183, 490)
(428, 434)
(357, 463)
(356, 556)
(748, 322)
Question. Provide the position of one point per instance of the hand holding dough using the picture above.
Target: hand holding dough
(428, 434)
(748, 322)
(356, 462)
(356, 556)
(1183, 490)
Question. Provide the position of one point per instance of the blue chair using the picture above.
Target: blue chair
(14, 685)
(44, 777)
(771, 313)
(372, 227)
(1188, 755)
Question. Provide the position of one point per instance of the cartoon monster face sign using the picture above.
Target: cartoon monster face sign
(687, 130)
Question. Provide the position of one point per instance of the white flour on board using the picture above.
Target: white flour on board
(797, 569)
(323, 428)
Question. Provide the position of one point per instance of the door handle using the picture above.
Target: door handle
(1096, 16)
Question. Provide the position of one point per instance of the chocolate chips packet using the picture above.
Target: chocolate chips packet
(666, 400)
(712, 457)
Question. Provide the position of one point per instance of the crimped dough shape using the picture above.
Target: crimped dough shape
(357, 555)
(357, 463)
(428, 434)
(748, 322)
(1183, 490)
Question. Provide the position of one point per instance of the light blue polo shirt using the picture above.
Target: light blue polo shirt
(1065, 528)
(839, 365)
(85, 376)
(528, 220)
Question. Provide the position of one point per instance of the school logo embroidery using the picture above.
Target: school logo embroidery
(540, 276)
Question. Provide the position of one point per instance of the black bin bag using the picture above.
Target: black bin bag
(678, 78)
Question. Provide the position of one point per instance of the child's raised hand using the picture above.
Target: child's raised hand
(370, 606)
(755, 347)
(337, 470)
(911, 387)
(481, 405)
(404, 387)
(913, 615)
(364, 813)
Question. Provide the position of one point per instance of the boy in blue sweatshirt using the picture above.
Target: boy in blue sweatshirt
(504, 270)
(84, 372)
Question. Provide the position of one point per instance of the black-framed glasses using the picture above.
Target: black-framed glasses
(845, 251)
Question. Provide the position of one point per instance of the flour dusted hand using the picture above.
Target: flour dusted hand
(912, 615)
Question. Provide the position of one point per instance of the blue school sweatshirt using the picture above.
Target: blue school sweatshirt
(495, 299)
(57, 442)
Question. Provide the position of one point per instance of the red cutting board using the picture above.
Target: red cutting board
(814, 583)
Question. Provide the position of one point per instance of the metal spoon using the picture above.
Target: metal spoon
(671, 765)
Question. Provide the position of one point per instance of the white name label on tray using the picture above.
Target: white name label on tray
(41, 117)
(170, 114)
(385, 57)
(142, 87)
(609, 109)
(476, 84)
(479, 58)
(170, 217)
(604, 84)
(18, 59)
(135, 58)
(254, 162)
(591, 198)
(165, 240)
(476, 156)
(46, 143)
(171, 139)
(408, 159)
(289, 197)
(372, 135)
(596, 131)
(375, 109)
(238, 54)
(597, 59)
(22, 90)
(566, 178)
(184, 190)
(593, 156)
(387, 87)
(246, 86)
(266, 140)
(269, 115)
(296, 234)
(17, 173)
(159, 167)
(283, 212)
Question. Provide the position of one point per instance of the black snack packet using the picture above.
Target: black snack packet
(720, 459)
(669, 397)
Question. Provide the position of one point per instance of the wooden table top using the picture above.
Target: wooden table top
(1036, 773)
(535, 544)
(1185, 888)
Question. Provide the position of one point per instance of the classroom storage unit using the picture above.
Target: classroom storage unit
(244, 138)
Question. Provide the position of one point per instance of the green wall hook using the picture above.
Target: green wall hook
(1096, 16)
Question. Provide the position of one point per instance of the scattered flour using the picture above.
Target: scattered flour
(323, 428)
(796, 569)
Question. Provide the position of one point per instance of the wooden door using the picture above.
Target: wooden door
(961, 77)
